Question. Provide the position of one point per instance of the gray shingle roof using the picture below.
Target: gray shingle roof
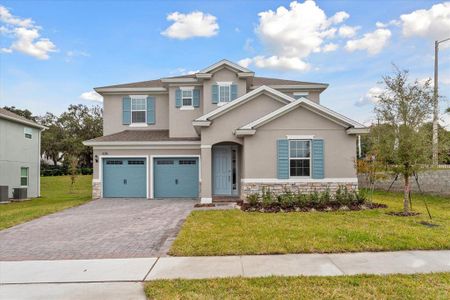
(257, 81)
(141, 136)
(12, 116)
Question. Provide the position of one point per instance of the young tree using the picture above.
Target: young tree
(402, 109)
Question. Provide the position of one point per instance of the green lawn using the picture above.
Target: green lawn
(233, 232)
(422, 286)
(56, 195)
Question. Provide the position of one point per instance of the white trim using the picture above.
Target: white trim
(181, 79)
(303, 180)
(243, 132)
(100, 169)
(152, 158)
(142, 125)
(358, 130)
(227, 63)
(300, 93)
(39, 165)
(243, 98)
(139, 97)
(160, 147)
(201, 123)
(312, 86)
(130, 89)
(224, 83)
(314, 107)
(205, 146)
(187, 107)
(147, 143)
(187, 88)
(28, 177)
(300, 137)
(206, 200)
(246, 74)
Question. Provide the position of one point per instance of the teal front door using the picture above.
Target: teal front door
(222, 168)
(176, 177)
(124, 178)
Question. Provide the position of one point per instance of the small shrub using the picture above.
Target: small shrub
(314, 199)
(286, 200)
(301, 200)
(267, 198)
(253, 199)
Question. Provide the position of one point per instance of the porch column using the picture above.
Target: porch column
(206, 166)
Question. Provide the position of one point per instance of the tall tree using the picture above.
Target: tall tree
(21, 112)
(52, 141)
(403, 108)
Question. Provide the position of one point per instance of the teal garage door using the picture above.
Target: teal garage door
(176, 177)
(124, 177)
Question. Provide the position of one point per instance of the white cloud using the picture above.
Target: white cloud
(346, 31)
(390, 23)
(372, 42)
(276, 63)
(248, 46)
(292, 33)
(194, 24)
(433, 23)
(91, 96)
(25, 35)
(330, 47)
(370, 97)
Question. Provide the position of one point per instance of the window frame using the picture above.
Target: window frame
(223, 85)
(135, 98)
(191, 97)
(28, 131)
(27, 176)
(300, 158)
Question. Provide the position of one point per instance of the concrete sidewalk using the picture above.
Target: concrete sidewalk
(141, 269)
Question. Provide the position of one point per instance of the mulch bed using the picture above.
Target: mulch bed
(275, 208)
(204, 205)
(403, 214)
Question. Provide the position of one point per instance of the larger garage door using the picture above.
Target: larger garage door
(124, 177)
(176, 177)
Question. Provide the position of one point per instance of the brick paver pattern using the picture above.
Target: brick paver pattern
(106, 228)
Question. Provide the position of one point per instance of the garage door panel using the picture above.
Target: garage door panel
(124, 177)
(176, 177)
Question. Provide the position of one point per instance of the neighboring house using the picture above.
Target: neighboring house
(20, 153)
(220, 132)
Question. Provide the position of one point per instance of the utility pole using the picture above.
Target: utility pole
(436, 103)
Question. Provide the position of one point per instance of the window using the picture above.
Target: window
(224, 93)
(138, 110)
(165, 162)
(24, 176)
(186, 97)
(187, 162)
(28, 132)
(135, 162)
(299, 158)
(113, 162)
(298, 95)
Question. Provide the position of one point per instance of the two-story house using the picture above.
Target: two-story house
(20, 153)
(220, 132)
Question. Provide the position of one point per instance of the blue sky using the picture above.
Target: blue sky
(69, 47)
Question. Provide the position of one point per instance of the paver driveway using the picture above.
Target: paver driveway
(106, 228)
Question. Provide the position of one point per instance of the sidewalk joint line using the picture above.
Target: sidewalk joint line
(151, 268)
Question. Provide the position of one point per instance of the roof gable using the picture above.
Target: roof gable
(223, 63)
(8, 115)
(276, 95)
(250, 128)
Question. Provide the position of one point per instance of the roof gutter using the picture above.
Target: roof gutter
(140, 143)
(135, 89)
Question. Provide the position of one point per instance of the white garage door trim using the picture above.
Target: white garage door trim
(152, 159)
(100, 169)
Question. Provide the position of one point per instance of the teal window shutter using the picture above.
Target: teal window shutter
(318, 170)
(126, 110)
(150, 110)
(215, 93)
(233, 91)
(283, 159)
(178, 98)
(196, 97)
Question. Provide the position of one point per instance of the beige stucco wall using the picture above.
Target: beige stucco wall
(260, 153)
(112, 113)
(222, 75)
(142, 153)
(180, 121)
(222, 128)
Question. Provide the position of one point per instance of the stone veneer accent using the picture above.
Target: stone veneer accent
(303, 187)
(96, 189)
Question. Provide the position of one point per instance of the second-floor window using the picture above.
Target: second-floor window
(224, 92)
(138, 110)
(28, 132)
(187, 97)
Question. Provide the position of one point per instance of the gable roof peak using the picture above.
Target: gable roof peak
(225, 62)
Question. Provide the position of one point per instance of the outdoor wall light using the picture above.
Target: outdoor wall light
(96, 158)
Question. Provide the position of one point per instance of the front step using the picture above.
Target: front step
(225, 199)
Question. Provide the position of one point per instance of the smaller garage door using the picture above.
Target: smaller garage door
(124, 177)
(176, 177)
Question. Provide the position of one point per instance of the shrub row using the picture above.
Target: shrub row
(49, 170)
(289, 201)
